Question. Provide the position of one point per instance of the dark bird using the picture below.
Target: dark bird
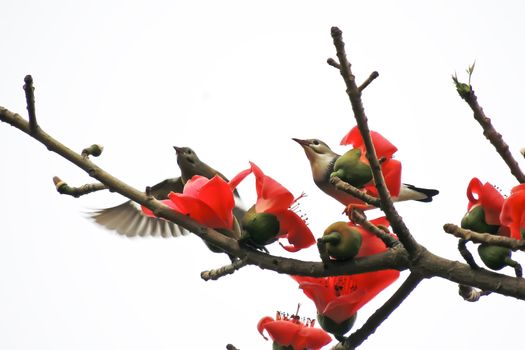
(129, 220)
(322, 162)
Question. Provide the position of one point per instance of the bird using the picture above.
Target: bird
(322, 161)
(128, 219)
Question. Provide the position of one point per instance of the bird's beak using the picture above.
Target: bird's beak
(177, 149)
(303, 143)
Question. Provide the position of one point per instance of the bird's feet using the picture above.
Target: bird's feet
(350, 208)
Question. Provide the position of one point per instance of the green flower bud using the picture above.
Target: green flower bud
(342, 242)
(276, 346)
(337, 329)
(260, 228)
(474, 220)
(494, 257)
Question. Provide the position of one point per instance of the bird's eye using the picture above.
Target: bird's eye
(315, 142)
(189, 151)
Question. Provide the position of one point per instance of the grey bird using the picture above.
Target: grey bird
(322, 161)
(129, 220)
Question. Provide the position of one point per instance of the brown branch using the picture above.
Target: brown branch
(215, 274)
(29, 90)
(354, 191)
(354, 95)
(93, 150)
(489, 131)
(360, 219)
(502, 241)
(381, 314)
(428, 264)
(63, 188)
(333, 63)
(388, 260)
(369, 80)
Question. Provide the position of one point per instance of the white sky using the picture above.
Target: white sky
(236, 80)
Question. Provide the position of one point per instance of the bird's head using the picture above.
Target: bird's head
(186, 158)
(315, 149)
(321, 157)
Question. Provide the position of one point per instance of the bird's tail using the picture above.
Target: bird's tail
(417, 193)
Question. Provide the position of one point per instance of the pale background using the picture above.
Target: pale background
(236, 80)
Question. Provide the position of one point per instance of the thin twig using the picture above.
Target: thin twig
(29, 90)
(63, 188)
(354, 94)
(370, 79)
(333, 63)
(388, 239)
(502, 241)
(94, 150)
(381, 314)
(215, 274)
(354, 191)
(491, 134)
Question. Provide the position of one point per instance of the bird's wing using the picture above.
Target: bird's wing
(410, 192)
(128, 219)
(163, 188)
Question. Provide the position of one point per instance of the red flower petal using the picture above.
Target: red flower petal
(342, 308)
(311, 338)
(201, 212)
(391, 169)
(474, 188)
(238, 178)
(383, 147)
(272, 197)
(489, 198)
(372, 283)
(261, 325)
(317, 290)
(296, 230)
(513, 211)
(215, 193)
(283, 332)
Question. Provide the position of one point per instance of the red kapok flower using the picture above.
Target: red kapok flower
(275, 199)
(513, 212)
(484, 208)
(385, 150)
(210, 202)
(292, 332)
(486, 196)
(340, 297)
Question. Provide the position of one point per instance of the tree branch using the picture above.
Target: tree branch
(490, 132)
(354, 191)
(476, 237)
(360, 219)
(354, 94)
(29, 90)
(63, 188)
(215, 274)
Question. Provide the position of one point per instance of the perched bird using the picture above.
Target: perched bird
(129, 220)
(323, 163)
